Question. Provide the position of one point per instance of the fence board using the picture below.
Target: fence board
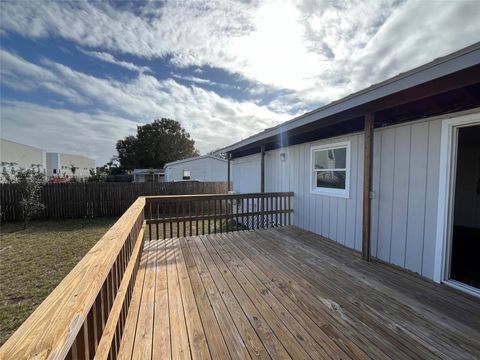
(88, 200)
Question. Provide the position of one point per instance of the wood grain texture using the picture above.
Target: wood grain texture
(53, 327)
(288, 293)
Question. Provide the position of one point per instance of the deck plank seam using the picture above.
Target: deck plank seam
(279, 303)
(220, 298)
(235, 293)
(327, 283)
(289, 274)
(234, 299)
(273, 293)
(423, 338)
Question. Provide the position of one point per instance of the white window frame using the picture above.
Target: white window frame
(189, 176)
(343, 193)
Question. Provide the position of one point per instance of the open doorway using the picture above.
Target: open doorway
(465, 241)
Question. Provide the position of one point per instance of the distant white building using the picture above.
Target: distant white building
(14, 156)
(59, 164)
(148, 175)
(200, 168)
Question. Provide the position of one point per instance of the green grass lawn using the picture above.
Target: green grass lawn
(35, 260)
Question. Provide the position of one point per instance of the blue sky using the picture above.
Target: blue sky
(77, 76)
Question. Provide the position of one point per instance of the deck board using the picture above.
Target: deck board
(288, 293)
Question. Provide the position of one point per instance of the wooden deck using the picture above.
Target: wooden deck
(286, 293)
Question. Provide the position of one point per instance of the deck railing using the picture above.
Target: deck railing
(190, 215)
(84, 317)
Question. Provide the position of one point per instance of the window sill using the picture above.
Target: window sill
(331, 193)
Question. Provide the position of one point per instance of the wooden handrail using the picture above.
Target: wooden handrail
(176, 198)
(84, 317)
(73, 317)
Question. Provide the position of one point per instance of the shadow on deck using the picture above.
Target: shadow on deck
(287, 293)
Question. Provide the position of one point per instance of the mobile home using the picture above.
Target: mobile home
(392, 170)
(199, 168)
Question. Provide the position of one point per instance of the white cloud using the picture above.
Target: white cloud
(299, 45)
(22, 75)
(310, 52)
(64, 130)
(111, 59)
(212, 120)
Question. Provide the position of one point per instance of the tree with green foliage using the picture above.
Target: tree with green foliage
(29, 182)
(154, 145)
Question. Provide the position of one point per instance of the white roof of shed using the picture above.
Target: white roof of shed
(195, 158)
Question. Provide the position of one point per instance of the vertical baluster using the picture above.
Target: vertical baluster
(184, 223)
(276, 211)
(232, 213)
(197, 205)
(157, 217)
(170, 217)
(215, 215)
(91, 340)
(221, 216)
(209, 213)
(85, 345)
(190, 217)
(202, 215)
(226, 214)
(267, 215)
(164, 224)
(97, 328)
(236, 218)
(247, 211)
(177, 211)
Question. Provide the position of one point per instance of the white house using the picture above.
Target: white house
(60, 164)
(148, 175)
(14, 156)
(392, 170)
(199, 168)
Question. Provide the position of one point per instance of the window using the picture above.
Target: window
(54, 171)
(186, 175)
(331, 169)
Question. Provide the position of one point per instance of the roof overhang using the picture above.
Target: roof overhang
(195, 158)
(458, 70)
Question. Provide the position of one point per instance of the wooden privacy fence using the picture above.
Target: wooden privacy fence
(82, 200)
(180, 216)
(85, 316)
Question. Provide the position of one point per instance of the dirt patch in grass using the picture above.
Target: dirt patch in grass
(35, 260)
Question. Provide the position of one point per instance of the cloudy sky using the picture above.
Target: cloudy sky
(77, 76)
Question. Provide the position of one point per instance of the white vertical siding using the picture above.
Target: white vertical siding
(246, 173)
(202, 169)
(405, 185)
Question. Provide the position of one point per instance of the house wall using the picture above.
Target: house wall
(202, 169)
(405, 184)
(53, 161)
(63, 163)
(245, 174)
(23, 156)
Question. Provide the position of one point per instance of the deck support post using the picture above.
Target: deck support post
(262, 169)
(229, 187)
(262, 182)
(367, 186)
